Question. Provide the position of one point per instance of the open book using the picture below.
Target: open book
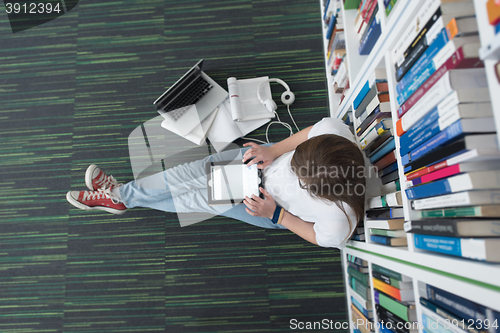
(224, 130)
(245, 104)
(219, 127)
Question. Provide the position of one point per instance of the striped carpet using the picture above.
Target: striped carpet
(71, 91)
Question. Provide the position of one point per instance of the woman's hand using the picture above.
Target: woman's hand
(260, 207)
(259, 153)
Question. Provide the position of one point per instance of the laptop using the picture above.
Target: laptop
(190, 100)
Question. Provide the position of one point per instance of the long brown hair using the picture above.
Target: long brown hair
(332, 168)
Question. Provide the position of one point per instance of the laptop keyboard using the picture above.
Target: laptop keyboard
(199, 88)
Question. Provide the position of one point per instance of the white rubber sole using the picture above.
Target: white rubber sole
(88, 176)
(78, 204)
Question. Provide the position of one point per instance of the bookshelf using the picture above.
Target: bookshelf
(477, 281)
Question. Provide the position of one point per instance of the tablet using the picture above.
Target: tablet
(230, 182)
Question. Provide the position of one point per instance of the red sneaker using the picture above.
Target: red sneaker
(95, 179)
(102, 199)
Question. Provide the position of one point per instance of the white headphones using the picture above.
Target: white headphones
(287, 97)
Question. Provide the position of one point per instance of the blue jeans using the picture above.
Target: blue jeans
(183, 189)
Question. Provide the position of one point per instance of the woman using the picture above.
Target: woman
(315, 186)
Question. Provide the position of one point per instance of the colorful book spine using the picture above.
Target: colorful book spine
(390, 146)
(371, 37)
(457, 60)
(399, 309)
(437, 140)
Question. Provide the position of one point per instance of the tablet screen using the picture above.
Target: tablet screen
(234, 181)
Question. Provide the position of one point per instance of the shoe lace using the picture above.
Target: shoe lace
(106, 181)
(102, 193)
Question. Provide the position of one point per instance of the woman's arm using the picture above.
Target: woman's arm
(268, 154)
(266, 207)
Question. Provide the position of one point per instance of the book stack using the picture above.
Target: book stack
(334, 22)
(447, 136)
(386, 219)
(367, 25)
(443, 311)
(493, 10)
(361, 305)
(359, 233)
(375, 126)
(394, 300)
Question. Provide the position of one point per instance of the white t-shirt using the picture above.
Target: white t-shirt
(330, 223)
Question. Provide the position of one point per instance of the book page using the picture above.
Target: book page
(248, 104)
(223, 130)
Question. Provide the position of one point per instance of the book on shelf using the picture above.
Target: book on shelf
(358, 267)
(391, 241)
(472, 211)
(453, 170)
(382, 123)
(443, 119)
(430, 41)
(484, 249)
(360, 288)
(381, 147)
(390, 273)
(390, 177)
(454, 227)
(385, 213)
(388, 169)
(362, 323)
(476, 180)
(419, 73)
(392, 281)
(360, 238)
(439, 133)
(362, 277)
(427, 10)
(405, 311)
(457, 305)
(366, 304)
(455, 87)
(375, 116)
(397, 324)
(458, 129)
(456, 61)
(388, 233)
(371, 35)
(478, 147)
(388, 200)
(493, 10)
(394, 224)
(465, 198)
(367, 313)
(357, 261)
(374, 96)
(389, 6)
(375, 133)
(436, 323)
(379, 75)
(452, 318)
(386, 160)
(351, 4)
(390, 187)
(404, 295)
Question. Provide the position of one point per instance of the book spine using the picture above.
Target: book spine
(391, 320)
(387, 170)
(392, 305)
(380, 239)
(473, 211)
(438, 96)
(439, 139)
(387, 288)
(358, 275)
(388, 272)
(371, 38)
(365, 312)
(362, 93)
(386, 160)
(331, 26)
(426, 59)
(420, 44)
(425, 13)
(447, 316)
(446, 245)
(434, 228)
(371, 137)
(385, 139)
(420, 138)
(453, 62)
(439, 174)
(459, 306)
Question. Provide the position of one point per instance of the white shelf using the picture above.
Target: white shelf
(475, 280)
